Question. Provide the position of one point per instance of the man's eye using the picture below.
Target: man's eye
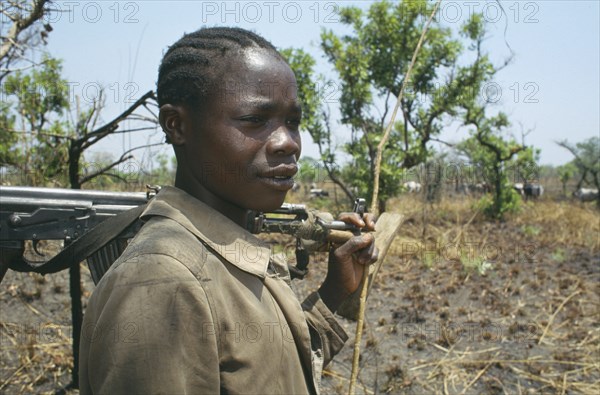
(294, 121)
(253, 119)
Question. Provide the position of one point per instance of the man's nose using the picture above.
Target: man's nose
(284, 141)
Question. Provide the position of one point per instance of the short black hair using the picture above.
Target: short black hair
(196, 62)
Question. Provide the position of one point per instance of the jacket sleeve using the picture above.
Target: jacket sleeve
(326, 333)
(146, 328)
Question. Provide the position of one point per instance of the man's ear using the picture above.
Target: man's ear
(172, 119)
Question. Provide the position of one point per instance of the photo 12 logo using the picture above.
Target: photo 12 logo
(469, 332)
(269, 12)
(93, 12)
(92, 92)
(458, 12)
(492, 11)
(75, 92)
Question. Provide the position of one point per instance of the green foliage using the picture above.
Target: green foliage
(428, 261)
(41, 141)
(565, 173)
(531, 230)
(325, 205)
(310, 170)
(40, 93)
(97, 161)
(359, 172)
(559, 255)
(589, 152)
(490, 146)
(476, 264)
(32, 125)
(493, 208)
(370, 64)
(490, 150)
(164, 174)
(587, 160)
(525, 164)
(9, 155)
(308, 91)
(311, 90)
(474, 28)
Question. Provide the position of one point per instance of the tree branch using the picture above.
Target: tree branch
(443, 142)
(330, 171)
(19, 25)
(106, 168)
(98, 134)
(388, 130)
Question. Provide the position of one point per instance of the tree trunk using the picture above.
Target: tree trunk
(382, 205)
(75, 272)
(498, 192)
(74, 156)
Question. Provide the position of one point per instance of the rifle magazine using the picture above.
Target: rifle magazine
(100, 261)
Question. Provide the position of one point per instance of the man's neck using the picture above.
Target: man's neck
(235, 213)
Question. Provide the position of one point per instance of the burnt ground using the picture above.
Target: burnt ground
(461, 305)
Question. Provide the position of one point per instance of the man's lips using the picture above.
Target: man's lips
(280, 177)
(280, 172)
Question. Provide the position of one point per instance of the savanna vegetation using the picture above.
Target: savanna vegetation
(481, 292)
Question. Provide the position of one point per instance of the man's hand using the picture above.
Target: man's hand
(348, 261)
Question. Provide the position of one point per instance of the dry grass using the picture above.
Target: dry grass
(35, 333)
(542, 293)
(530, 324)
(563, 223)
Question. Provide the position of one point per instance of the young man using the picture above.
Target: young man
(197, 304)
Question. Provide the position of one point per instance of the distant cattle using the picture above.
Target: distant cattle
(412, 187)
(468, 189)
(317, 192)
(462, 188)
(519, 187)
(481, 187)
(586, 194)
(533, 191)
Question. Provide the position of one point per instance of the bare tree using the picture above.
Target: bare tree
(23, 31)
(87, 135)
(22, 28)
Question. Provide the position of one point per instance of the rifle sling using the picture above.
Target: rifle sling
(90, 242)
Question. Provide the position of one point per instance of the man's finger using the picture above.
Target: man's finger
(352, 218)
(368, 255)
(355, 244)
(369, 220)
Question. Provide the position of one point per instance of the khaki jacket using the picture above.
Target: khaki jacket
(198, 305)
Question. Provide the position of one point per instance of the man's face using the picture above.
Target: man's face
(245, 143)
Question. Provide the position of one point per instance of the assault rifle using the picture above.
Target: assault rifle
(36, 214)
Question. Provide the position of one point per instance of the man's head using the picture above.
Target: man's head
(194, 66)
(229, 106)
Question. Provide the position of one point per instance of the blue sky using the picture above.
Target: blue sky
(551, 87)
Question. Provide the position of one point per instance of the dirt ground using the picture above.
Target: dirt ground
(460, 306)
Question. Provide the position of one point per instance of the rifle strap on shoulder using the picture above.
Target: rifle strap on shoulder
(92, 241)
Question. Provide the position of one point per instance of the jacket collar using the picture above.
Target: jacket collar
(226, 238)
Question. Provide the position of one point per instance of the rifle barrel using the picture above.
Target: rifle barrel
(63, 194)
